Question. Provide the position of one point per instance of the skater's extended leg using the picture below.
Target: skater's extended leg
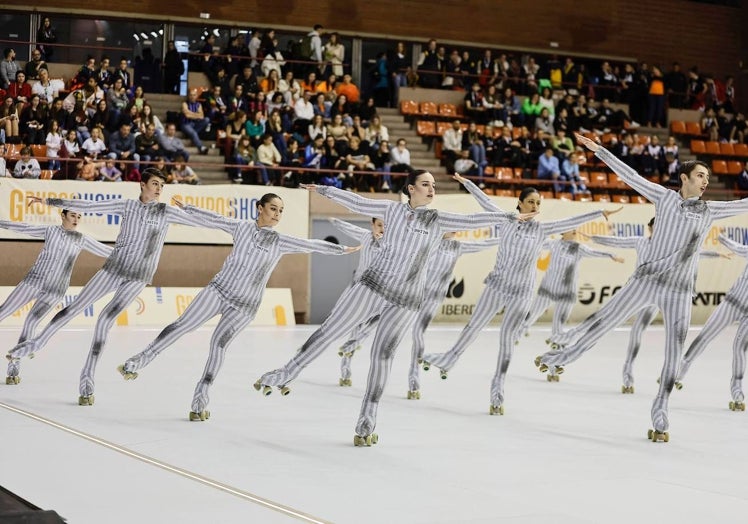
(642, 321)
(561, 316)
(394, 323)
(490, 302)
(231, 324)
(21, 295)
(205, 306)
(739, 347)
(423, 319)
(359, 333)
(516, 312)
(125, 294)
(38, 311)
(539, 305)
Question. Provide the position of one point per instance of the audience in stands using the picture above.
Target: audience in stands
(27, 167)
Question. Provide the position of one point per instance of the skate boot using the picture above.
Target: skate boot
(543, 368)
(495, 410)
(344, 382)
(659, 420)
(552, 377)
(367, 441)
(628, 383)
(677, 384)
(737, 405)
(14, 368)
(86, 400)
(627, 390)
(266, 390)
(128, 375)
(278, 377)
(12, 380)
(202, 416)
(414, 394)
(658, 436)
(736, 390)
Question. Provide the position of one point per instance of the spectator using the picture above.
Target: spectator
(46, 35)
(338, 130)
(217, 108)
(466, 166)
(182, 173)
(94, 145)
(400, 160)
(270, 84)
(348, 89)
(103, 74)
(33, 120)
(380, 157)
(316, 48)
(20, 90)
(334, 55)
(570, 173)
(531, 108)
(676, 85)
(137, 98)
(367, 111)
(88, 169)
(290, 88)
(546, 100)
(273, 61)
(32, 67)
(303, 112)
(671, 147)
(548, 169)
(194, 121)
(358, 160)
(47, 89)
(173, 69)
(122, 147)
(255, 128)
(742, 178)
(322, 107)
(399, 69)
(146, 144)
(86, 71)
(54, 143)
(124, 73)
(472, 141)
(317, 128)
(380, 81)
(475, 106)
(269, 159)
(738, 132)
(452, 144)
(670, 177)
(293, 157)
(8, 68)
(9, 119)
(376, 132)
(430, 67)
(27, 167)
(3, 164)
(109, 172)
(544, 123)
(656, 99)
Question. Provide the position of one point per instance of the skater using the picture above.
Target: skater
(559, 285)
(49, 277)
(392, 286)
(509, 285)
(126, 272)
(370, 244)
(664, 278)
(734, 307)
(646, 315)
(234, 293)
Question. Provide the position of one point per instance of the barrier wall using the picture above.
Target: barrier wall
(159, 306)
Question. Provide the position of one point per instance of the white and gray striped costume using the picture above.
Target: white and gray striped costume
(234, 293)
(733, 308)
(509, 286)
(127, 271)
(49, 277)
(664, 278)
(369, 248)
(559, 285)
(392, 287)
(439, 271)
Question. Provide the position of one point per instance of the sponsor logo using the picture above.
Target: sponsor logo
(456, 289)
(708, 298)
(544, 262)
(588, 294)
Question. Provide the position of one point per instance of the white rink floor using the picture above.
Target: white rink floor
(571, 452)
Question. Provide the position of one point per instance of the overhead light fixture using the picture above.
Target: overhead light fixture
(144, 35)
(161, 31)
(135, 36)
(243, 31)
(155, 34)
(216, 32)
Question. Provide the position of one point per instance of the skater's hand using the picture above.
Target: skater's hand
(177, 202)
(592, 145)
(310, 187)
(33, 200)
(348, 249)
(522, 217)
(728, 256)
(377, 236)
(620, 260)
(461, 179)
(607, 213)
(583, 235)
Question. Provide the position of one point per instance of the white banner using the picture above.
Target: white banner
(235, 201)
(599, 278)
(160, 306)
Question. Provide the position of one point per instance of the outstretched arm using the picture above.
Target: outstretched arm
(22, 227)
(735, 247)
(588, 252)
(485, 202)
(352, 201)
(353, 231)
(480, 245)
(97, 248)
(198, 217)
(114, 206)
(290, 244)
(727, 208)
(611, 241)
(567, 224)
(458, 222)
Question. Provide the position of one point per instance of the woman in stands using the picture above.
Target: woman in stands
(391, 287)
(509, 286)
(9, 119)
(234, 293)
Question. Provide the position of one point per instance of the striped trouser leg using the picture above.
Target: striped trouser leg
(515, 313)
(355, 305)
(231, 324)
(539, 305)
(205, 306)
(561, 315)
(739, 348)
(424, 317)
(676, 313)
(39, 310)
(725, 314)
(21, 295)
(625, 303)
(394, 323)
(102, 283)
(642, 322)
(359, 333)
(126, 292)
(490, 302)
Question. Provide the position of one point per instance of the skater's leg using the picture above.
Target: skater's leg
(125, 294)
(560, 316)
(739, 347)
(423, 319)
(21, 295)
(490, 302)
(359, 333)
(354, 306)
(205, 306)
(231, 324)
(101, 284)
(676, 313)
(38, 311)
(643, 320)
(515, 313)
(725, 314)
(393, 325)
(539, 305)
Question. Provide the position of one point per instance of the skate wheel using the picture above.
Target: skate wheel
(257, 385)
(649, 434)
(31, 355)
(284, 390)
(341, 382)
(340, 353)
(426, 366)
(86, 401)
(266, 390)
(443, 374)
(12, 381)
(678, 385)
(127, 375)
(414, 394)
(658, 436)
(368, 440)
(496, 410)
(627, 389)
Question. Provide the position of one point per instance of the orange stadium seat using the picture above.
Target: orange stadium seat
(583, 197)
(678, 127)
(447, 110)
(615, 182)
(441, 127)
(601, 197)
(726, 149)
(504, 173)
(425, 128)
(39, 150)
(504, 192)
(719, 167)
(428, 109)
(46, 174)
(598, 179)
(621, 199)
(741, 150)
(409, 107)
(565, 196)
(698, 147)
(546, 194)
(734, 167)
(638, 199)
(712, 148)
(693, 129)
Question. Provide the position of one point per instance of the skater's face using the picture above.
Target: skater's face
(377, 227)
(269, 215)
(70, 220)
(151, 191)
(531, 203)
(423, 191)
(694, 183)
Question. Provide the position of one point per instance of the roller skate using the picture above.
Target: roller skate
(343, 352)
(495, 410)
(543, 368)
(658, 436)
(627, 390)
(202, 416)
(552, 377)
(367, 441)
(266, 390)
(414, 394)
(12, 381)
(628, 381)
(737, 405)
(127, 375)
(434, 360)
(344, 382)
(279, 378)
(86, 400)
(677, 384)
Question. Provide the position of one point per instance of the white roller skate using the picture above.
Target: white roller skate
(628, 383)
(738, 400)
(12, 380)
(345, 382)
(367, 441)
(496, 410)
(86, 400)
(127, 375)
(201, 416)
(414, 394)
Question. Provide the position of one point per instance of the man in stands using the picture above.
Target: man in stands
(194, 121)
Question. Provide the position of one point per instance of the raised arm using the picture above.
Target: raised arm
(95, 247)
(290, 244)
(735, 247)
(353, 231)
(620, 242)
(727, 208)
(648, 189)
(458, 222)
(483, 200)
(479, 245)
(22, 227)
(198, 217)
(589, 252)
(352, 201)
(114, 206)
(567, 224)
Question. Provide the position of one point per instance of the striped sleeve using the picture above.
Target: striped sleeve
(458, 222)
(724, 209)
(474, 247)
(735, 247)
(353, 231)
(97, 248)
(289, 244)
(27, 229)
(356, 203)
(203, 218)
(567, 224)
(485, 202)
(611, 241)
(643, 186)
(588, 252)
(114, 206)
(710, 254)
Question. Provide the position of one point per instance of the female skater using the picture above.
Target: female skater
(234, 293)
(509, 286)
(664, 278)
(392, 286)
(49, 277)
